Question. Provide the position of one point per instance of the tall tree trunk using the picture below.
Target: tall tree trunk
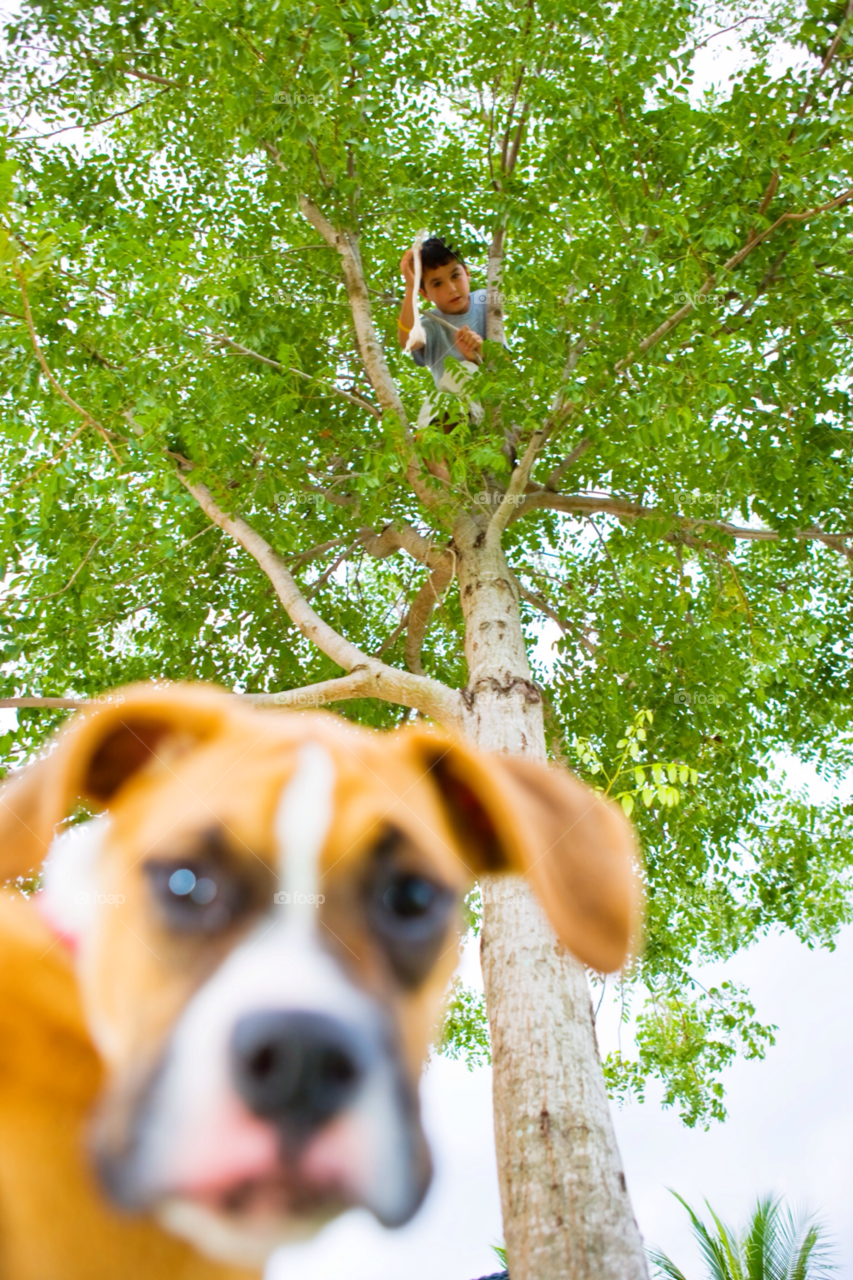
(566, 1210)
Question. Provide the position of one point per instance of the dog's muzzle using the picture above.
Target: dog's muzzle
(297, 1069)
(280, 1100)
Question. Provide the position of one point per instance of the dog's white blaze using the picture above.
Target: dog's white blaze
(301, 826)
(70, 894)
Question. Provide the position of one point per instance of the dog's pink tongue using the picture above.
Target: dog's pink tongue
(234, 1149)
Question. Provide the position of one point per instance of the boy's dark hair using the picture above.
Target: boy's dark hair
(435, 253)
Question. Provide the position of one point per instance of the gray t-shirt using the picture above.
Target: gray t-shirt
(439, 340)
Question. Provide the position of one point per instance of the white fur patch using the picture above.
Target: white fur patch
(71, 892)
(235, 1243)
(301, 826)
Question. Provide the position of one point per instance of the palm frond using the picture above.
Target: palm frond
(776, 1245)
(665, 1268)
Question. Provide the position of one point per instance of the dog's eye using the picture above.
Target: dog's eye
(408, 914)
(410, 897)
(201, 889)
(196, 898)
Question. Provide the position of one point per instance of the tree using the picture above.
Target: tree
(212, 471)
(774, 1246)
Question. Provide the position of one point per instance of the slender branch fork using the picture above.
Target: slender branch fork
(88, 420)
(368, 676)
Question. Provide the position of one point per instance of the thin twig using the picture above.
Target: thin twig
(73, 578)
(225, 341)
(88, 420)
(40, 137)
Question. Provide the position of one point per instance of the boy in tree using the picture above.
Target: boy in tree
(456, 328)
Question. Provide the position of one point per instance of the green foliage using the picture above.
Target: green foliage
(183, 302)
(465, 1030)
(654, 781)
(687, 1043)
(773, 1246)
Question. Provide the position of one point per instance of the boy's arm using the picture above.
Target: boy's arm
(406, 318)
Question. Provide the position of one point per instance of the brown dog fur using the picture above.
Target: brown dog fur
(168, 763)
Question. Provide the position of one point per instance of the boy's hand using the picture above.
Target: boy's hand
(469, 344)
(407, 267)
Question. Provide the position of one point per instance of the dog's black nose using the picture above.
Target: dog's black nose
(296, 1069)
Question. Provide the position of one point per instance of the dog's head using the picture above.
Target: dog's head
(266, 917)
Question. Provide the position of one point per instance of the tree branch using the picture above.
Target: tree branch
(358, 684)
(494, 298)
(95, 124)
(74, 576)
(587, 504)
(104, 64)
(514, 495)
(734, 261)
(392, 638)
(428, 696)
(568, 462)
(44, 465)
(421, 610)
(225, 341)
(394, 538)
(70, 704)
(304, 557)
(327, 573)
(542, 605)
(369, 346)
(88, 420)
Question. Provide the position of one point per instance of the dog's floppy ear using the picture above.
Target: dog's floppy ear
(575, 848)
(93, 755)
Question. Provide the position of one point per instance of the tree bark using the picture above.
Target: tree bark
(566, 1210)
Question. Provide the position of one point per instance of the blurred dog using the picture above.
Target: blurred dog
(238, 967)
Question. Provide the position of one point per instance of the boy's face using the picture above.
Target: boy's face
(448, 287)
